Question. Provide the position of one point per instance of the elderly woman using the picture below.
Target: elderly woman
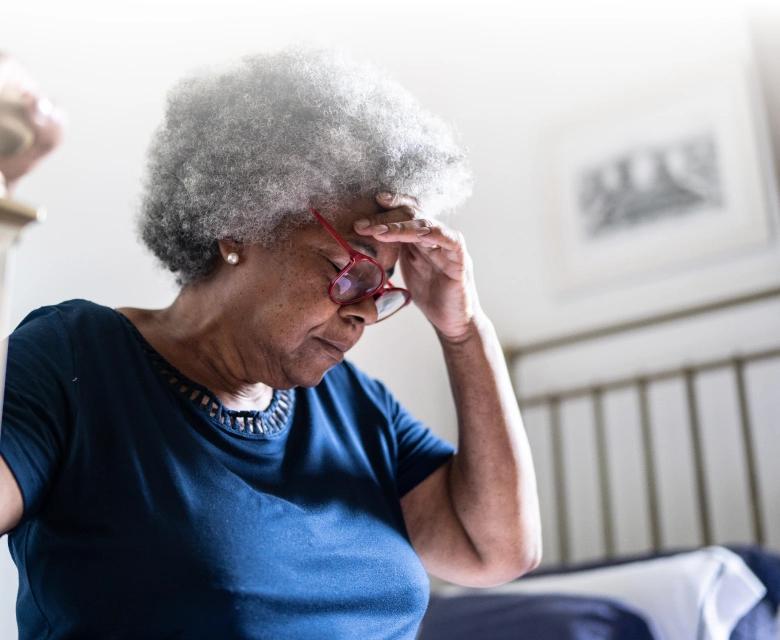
(217, 469)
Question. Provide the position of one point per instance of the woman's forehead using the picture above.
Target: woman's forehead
(363, 207)
(383, 252)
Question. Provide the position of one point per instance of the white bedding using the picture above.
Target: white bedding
(699, 595)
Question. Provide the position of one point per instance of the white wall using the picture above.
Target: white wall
(499, 71)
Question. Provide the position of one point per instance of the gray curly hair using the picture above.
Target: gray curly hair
(243, 153)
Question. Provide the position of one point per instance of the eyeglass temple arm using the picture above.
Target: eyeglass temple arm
(332, 231)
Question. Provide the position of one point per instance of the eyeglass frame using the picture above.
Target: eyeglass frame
(356, 256)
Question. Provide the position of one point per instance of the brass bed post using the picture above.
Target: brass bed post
(553, 405)
(603, 463)
(650, 469)
(698, 456)
(750, 451)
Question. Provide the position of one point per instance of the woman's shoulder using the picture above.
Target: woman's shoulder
(70, 319)
(44, 344)
(67, 312)
(69, 337)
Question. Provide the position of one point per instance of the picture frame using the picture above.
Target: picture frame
(661, 181)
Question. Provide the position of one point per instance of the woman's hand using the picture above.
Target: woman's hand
(437, 269)
(20, 98)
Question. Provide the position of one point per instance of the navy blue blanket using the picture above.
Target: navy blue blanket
(532, 617)
(759, 623)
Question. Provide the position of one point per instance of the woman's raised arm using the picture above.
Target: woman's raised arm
(11, 504)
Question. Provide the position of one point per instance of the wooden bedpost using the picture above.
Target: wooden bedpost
(14, 216)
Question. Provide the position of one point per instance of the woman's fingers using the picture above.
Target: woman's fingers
(426, 242)
(416, 261)
(419, 226)
(41, 120)
(436, 259)
(438, 246)
(395, 200)
(418, 230)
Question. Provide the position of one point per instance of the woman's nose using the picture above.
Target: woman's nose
(363, 312)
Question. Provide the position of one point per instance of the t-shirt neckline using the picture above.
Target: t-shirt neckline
(246, 423)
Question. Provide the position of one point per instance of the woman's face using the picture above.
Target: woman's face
(287, 329)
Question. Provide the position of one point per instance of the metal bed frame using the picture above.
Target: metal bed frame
(551, 402)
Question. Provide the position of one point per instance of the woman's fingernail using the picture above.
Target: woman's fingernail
(380, 229)
(44, 106)
(43, 110)
(424, 231)
(362, 224)
(385, 195)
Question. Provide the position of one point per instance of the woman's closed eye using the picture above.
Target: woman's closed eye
(334, 265)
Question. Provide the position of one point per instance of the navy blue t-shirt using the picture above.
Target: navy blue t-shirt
(147, 514)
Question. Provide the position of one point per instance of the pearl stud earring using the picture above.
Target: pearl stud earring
(232, 258)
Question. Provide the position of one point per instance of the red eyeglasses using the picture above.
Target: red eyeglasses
(363, 277)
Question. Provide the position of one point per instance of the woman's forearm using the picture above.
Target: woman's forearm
(492, 482)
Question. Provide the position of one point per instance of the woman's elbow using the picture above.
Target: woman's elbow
(509, 566)
(519, 556)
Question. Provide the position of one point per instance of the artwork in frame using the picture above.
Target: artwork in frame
(661, 182)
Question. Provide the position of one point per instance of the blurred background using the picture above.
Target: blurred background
(512, 78)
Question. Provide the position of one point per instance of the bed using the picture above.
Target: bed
(659, 483)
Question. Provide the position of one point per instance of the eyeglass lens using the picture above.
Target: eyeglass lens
(363, 276)
(388, 303)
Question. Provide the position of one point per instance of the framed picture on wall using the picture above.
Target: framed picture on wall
(646, 187)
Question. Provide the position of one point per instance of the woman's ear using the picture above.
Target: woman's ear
(228, 247)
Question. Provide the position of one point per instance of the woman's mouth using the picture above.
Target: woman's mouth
(333, 351)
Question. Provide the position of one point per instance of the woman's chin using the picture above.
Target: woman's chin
(312, 373)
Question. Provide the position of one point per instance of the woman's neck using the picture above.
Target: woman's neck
(193, 338)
